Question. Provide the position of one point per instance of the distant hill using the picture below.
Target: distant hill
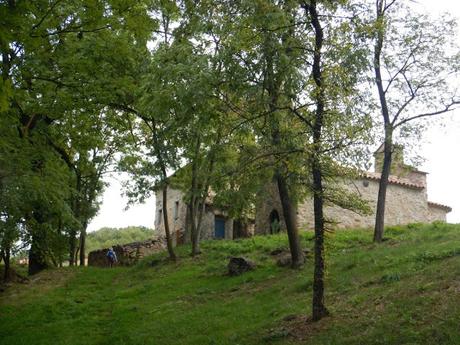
(106, 237)
(403, 291)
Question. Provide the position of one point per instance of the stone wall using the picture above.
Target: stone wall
(208, 224)
(268, 201)
(177, 215)
(437, 212)
(404, 204)
(417, 176)
(127, 254)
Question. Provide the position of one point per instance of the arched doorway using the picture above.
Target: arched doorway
(274, 219)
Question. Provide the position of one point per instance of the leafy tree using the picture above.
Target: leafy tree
(414, 61)
(88, 145)
(258, 72)
(327, 109)
(152, 121)
(55, 66)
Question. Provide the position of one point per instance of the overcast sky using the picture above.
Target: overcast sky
(440, 148)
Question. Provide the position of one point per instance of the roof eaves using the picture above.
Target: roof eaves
(393, 180)
(444, 207)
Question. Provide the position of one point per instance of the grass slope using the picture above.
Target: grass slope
(405, 291)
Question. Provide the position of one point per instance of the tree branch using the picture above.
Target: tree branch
(449, 107)
(46, 14)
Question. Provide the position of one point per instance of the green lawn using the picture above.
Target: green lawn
(405, 291)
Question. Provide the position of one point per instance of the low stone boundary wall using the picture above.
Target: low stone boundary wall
(127, 254)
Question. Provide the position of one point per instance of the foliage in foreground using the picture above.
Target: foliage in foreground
(405, 291)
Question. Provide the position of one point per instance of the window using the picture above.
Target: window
(274, 222)
(160, 213)
(176, 210)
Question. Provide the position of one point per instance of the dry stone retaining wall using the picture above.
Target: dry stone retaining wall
(127, 254)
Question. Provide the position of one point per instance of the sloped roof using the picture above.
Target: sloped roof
(392, 179)
(444, 207)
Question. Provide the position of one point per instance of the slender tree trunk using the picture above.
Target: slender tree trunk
(6, 259)
(193, 230)
(76, 208)
(202, 207)
(195, 243)
(318, 307)
(169, 244)
(164, 176)
(196, 212)
(83, 243)
(388, 145)
(199, 204)
(72, 247)
(289, 213)
(193, 205)
(77, 254)
(286, 200)
(381, 199)
(196, 250)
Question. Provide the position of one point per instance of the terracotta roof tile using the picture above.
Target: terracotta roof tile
(393, 180)
(444, 207)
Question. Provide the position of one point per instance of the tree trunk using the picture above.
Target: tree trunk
(318, 308)
(202, 209)
(286, 201)
(72, 247)
(195, 237)
(193, 231)
(6, 259)
(169, 244)
(199, 194)
(83, 244)
(381, 199)
(77, 254)
(289, 214)
(36, 260)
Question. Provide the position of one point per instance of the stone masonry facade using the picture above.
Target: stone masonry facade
(177, 215)
(406, 202)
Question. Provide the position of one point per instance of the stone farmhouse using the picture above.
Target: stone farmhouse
(406, 203)
(215, 223)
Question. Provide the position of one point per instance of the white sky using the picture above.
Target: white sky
(440, 150)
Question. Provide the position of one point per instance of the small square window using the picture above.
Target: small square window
(160, 214)
(176, 210)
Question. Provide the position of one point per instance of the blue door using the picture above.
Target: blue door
(219, 228)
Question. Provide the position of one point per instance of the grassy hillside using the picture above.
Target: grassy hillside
(405, 291)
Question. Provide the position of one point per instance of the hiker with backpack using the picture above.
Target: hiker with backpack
(111, 257)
